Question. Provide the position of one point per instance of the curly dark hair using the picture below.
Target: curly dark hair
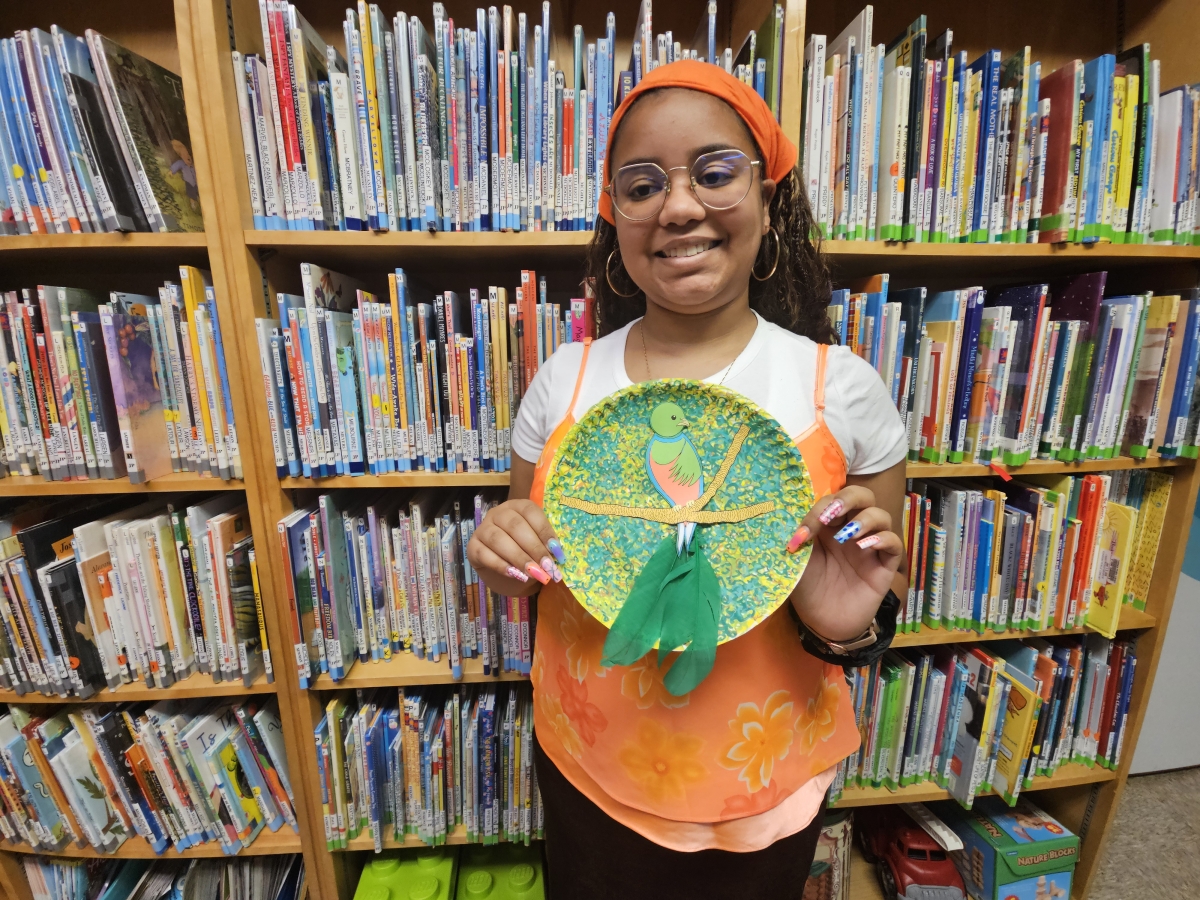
(795, 297)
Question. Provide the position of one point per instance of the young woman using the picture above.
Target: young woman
(705, 268)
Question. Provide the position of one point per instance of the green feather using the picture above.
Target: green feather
(694, 664)
(639, 622)
(679, 593)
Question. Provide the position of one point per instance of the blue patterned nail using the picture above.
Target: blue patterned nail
(557, 549)
(849, 530)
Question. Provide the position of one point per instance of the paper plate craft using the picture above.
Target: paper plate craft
(674, 501)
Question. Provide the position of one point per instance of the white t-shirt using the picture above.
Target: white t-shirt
(776, 370)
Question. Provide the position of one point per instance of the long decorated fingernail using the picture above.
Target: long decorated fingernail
(799, 539)
(557, 549)
(849, 530)
(869, 541)
(514, 572)
(551, 568)
(832, 511)
(537, 572)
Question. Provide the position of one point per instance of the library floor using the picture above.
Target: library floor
(1152, 851)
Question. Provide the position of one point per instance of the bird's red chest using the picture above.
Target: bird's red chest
(679, 493)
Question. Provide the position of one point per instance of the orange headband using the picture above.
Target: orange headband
(779, 153)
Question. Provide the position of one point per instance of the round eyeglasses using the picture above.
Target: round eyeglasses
(720, 180)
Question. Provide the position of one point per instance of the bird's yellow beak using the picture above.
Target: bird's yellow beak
(684, 424)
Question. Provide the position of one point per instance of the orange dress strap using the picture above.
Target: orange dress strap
(556, 437)
(819, 390)
(820, 449)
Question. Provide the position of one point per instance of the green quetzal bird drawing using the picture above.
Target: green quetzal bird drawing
(674, 465)
(676, 598)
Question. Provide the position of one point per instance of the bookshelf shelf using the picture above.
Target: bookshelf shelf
(1131, 620)
(864, 885)
(423, 249)
(198, 685)
(365, 842)
(267, 843)
(35, 486)
(400, 480)
(1070, 775)
(132, 249)
(406, 670)
(1040, 467)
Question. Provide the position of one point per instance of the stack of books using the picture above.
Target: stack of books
(105, 595)
(174, 775)
(1048, 371)
(279, 876)
(433, 761)
(978, 719)
(370, 581)
(93, 138)
(1044, 551)
(910, 141)
(96, 385)
(450, 128)
(357, 383)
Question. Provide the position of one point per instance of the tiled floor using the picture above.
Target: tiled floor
(1153, 851)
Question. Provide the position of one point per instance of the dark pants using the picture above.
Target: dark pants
(590, 855)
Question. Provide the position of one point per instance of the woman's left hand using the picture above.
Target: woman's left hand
(855, 556)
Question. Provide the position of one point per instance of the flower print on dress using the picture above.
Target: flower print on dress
(818, 719)
(643, 684)
(741, 805)
(760, 738)
(584, 639)
(662, 763)
(537, 670)
(560, 724)
(585, 717)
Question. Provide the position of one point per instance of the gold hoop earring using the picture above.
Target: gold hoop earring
(775, 265)
(608, 278)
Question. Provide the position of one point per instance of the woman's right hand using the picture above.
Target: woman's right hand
(514, 549)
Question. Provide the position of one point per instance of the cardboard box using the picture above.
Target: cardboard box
(1017, 853)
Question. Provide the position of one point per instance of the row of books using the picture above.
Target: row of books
(450, 128)
(372, 580)
(1044, 551)
(177, 775)
(981, 719)
(429, 762)
(909, 141)
(109, 385)
(357, 383)
(1051, 370)
(93, 138)
(278, 876)
(107, 594)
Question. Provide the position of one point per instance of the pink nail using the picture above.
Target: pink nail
(537, 572)
(799, 539)
(551, 568)
(832, 511)
(868, 542)
(514, 572)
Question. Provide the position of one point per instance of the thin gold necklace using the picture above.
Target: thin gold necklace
(646, 356)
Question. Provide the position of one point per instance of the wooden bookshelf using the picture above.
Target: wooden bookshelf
(268, 842)
(406, 670)
(193, 37)
(1131, 620)
(198, 685)
(37, 486)
(1069, 775)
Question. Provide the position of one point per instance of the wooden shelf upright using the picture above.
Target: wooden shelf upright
(196, 37)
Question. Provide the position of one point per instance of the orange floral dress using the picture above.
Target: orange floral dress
(753, 745)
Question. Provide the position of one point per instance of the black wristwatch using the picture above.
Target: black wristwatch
(859, 651)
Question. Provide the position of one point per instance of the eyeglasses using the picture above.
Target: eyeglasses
(720, 180)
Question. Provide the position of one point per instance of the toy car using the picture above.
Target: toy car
(910, 864)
